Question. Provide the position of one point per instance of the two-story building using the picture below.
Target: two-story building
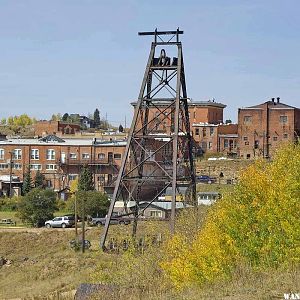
(261, 128)
(60, 160)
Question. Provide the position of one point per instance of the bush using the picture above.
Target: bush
(37, 206)
(9, 204)
(257, 224)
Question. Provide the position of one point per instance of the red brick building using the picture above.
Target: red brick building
(43, 128)
(213, 138)
(199, 112)
(206, 118)
(60, 160)
(261, 128)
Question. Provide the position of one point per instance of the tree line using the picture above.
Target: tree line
(39, 203)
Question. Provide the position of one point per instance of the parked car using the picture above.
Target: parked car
(115, 219)
(63, 222)
(205, 179)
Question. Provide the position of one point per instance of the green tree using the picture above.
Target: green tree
(97, 118)
(65, 117)
(85, 182)
(75, 118)
(27, 182)
(37, 206)
(39, 180)
(56, 117)
(91, 203)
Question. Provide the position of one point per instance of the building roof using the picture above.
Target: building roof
(165, 102)
(201, 124)
(54, 140)
(272, 105)
(166, 205)
(208, 193)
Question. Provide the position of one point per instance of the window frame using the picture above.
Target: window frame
(50, 154)
(117, 156)
(17, 154)
(247, 119)
(34, 154)
(32, 167)
(51, 169)
(283, 119)
(85, 154)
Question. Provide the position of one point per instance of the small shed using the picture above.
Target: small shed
(208, 198)
(159, 209)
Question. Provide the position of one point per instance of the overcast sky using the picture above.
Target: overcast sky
(76, 55)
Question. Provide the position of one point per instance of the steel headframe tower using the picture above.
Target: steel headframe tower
(158, 156)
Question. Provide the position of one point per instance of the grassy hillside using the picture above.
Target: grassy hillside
(43, 263)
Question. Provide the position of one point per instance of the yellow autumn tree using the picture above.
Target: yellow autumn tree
(257, 224)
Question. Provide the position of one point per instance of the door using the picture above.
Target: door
(110, 157)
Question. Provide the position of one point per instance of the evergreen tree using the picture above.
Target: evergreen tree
(39, 180)
(27, 183)
(97, 118)
(65, 117)
(85, 182)
(121, 129)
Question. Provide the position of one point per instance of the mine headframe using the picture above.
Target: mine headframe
(158, 155)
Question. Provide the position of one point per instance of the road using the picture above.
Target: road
(36, 230)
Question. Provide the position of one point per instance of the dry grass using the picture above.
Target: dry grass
(43, 267)
(43, 263)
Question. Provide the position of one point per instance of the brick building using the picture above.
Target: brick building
(213, 138)
(206, 119)
(43, 128)
(60, 160)
(199, 111)
(261, 128)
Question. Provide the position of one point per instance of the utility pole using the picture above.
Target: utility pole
(75, 208)
(10, 174)
(83, 224)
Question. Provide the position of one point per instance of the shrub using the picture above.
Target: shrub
(9, 204)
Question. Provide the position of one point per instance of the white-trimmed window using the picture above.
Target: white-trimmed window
(36, 167)
(50, 154)
(1, 153)
(17, 166)
(3, 166)
(17, 154)
(35, 154)
(73, 156)
(101, 155)
(51, 167)
(85, 155)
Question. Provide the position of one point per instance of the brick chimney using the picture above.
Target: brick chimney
(278, 99)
